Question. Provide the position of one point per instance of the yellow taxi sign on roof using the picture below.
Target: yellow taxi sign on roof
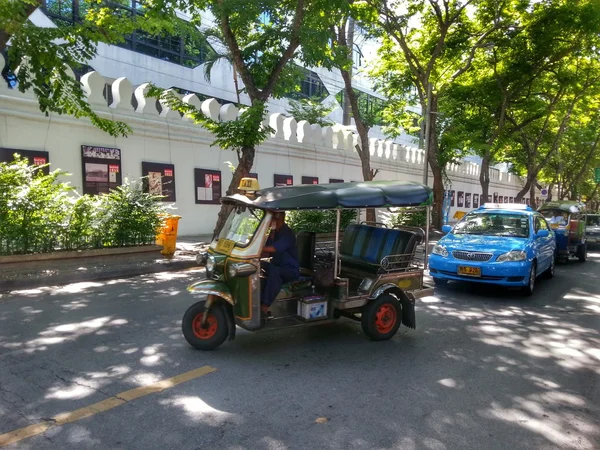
(249, 185)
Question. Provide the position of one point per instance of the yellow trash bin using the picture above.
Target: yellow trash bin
(168, 235)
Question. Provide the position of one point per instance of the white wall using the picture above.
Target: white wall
(296, 149)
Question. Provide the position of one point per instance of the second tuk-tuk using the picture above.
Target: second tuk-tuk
(373, 276)
(568, 220)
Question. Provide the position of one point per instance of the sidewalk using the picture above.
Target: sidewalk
(34, 274)
(30, 275)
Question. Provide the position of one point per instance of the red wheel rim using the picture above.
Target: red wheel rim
(385, 318)
(209, 329)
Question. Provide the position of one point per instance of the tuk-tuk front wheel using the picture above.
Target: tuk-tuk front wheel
(210, 335)
(381, 318)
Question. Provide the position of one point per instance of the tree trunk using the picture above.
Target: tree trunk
(532, 196)
(242, 170)
(436, 168)
(484, 177)
(528, 183)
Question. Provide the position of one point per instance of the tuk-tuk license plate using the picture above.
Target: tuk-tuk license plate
(225, 246)
(469, 271)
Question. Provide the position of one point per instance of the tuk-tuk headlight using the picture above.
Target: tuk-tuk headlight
(515, 255)
(365, 284)
(241, 270)
(210, 264)
(439, 250)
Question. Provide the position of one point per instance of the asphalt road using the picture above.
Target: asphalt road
(485, 369)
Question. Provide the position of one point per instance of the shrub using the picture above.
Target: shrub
(40, 214)
(407, 217)
(319, 221)
(33, 208)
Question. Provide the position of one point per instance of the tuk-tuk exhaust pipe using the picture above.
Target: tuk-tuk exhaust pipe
(338, 219)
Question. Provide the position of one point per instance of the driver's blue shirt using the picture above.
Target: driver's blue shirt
(286, 254)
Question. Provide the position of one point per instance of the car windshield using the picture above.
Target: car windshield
(556, 217)
(241, 225)
(494, 224)
(593, 221)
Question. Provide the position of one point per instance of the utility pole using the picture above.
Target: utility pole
(350, 43)
(427, 133)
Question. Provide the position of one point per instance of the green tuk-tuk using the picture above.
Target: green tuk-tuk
(568, 220)
(368, 275)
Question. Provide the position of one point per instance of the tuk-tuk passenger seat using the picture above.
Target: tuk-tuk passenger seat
(363, 247)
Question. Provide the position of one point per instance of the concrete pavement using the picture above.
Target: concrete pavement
(485, 369)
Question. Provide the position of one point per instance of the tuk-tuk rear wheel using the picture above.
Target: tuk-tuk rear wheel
(214, 331)
(381, 318)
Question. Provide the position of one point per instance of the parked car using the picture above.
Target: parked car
(592, 228)
(505, 244)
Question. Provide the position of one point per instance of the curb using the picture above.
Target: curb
(81, 276)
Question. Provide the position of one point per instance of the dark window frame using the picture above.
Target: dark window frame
(162, 48)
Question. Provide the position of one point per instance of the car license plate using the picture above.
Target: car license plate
(469, 271)
(225, 246)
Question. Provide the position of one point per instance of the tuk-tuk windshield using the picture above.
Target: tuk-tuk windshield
(556, 217)
(241, 225)
(494, 224)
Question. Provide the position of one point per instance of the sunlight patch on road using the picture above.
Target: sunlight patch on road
(198, 410)
(105, 405)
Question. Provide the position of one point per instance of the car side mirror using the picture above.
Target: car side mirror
(446, 228)
(543, 233)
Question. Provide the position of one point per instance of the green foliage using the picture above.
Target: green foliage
(130, 216)
(40, 57)
(407, 217)
(38, 213)
(319, 221)
(313, 111)
(247, 131)
(371, 108)
(33, 208)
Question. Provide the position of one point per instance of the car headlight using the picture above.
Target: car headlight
(210, 264)
(515, 255)
(439, 250)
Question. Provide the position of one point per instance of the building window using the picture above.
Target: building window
(185, 50)
(310, 87)
(369, 106)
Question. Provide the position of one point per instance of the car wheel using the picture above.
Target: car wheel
(214, 331)
(550, 271)
(381, 318)
(582, 252)
(440, 281)
(528, 290)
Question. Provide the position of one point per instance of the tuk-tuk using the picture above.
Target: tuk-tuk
(568, 220)
(374, 278)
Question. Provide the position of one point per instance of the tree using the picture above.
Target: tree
(41, 57)
(313, 111)
(263, 38)
(427, 47)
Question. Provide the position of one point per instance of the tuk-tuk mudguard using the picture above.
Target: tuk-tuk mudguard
(409, 318)
(228, 313)
(212, 287)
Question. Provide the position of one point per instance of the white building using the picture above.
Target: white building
(164, 142)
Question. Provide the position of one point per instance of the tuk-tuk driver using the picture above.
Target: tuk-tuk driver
(284, 266)
(559, 218)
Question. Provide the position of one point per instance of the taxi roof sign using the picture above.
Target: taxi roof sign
(249, 185)
(513, 206)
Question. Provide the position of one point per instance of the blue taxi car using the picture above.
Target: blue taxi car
(505, 244)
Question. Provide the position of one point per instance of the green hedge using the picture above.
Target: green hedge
(319, 221)
(38, 213)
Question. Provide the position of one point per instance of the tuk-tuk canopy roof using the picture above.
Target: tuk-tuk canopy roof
(563, 205)
(365, 194)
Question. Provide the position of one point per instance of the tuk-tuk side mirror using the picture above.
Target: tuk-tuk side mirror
(446, 228)
(543, 233)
